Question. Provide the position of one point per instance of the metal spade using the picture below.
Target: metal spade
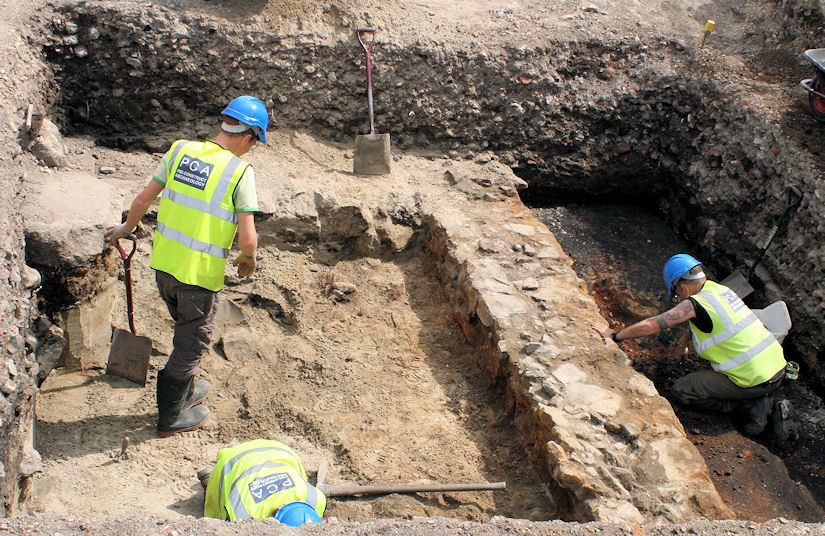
(129, 353)
(372, 151)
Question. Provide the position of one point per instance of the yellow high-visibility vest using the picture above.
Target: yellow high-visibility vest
(196, 215)
(252, 480)
(739, 346)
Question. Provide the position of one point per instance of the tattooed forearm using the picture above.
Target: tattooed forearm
(681, 313)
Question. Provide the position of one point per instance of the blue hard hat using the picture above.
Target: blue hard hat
(296, 514)
(676, 267)
(251, 111)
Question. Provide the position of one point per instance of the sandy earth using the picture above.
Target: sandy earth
(382, 385)
(378, 382)
(451, 24)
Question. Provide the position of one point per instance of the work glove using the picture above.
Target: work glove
(246, 265)
(116, 232)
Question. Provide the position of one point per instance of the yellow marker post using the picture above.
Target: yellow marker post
(709, 26)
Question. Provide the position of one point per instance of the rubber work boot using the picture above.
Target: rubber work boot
(172, 417)
(786, 431)
(198, 392)
(758, 411)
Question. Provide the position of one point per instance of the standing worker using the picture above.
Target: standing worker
(747, 362)
(260, 479)
(208, 194)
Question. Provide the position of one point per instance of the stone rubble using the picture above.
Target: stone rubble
(556, 112)
(595, 437)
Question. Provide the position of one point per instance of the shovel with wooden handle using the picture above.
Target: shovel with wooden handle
(331, 490)
(129, 353)
(342, 490)
(372, 151)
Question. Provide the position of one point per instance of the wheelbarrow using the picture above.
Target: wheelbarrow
(816, 86)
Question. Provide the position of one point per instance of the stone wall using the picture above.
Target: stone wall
(608, 445)
(22, 77)
(18, 366)
(646, 119)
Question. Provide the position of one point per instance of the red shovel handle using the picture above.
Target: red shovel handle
(359, 31)
(127, 269)
(368, 57)
(127, 258)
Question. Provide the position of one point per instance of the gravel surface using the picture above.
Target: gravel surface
(54, 525)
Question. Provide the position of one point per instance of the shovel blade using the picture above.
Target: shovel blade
(129, 356)
(372, 154)
(738, 283)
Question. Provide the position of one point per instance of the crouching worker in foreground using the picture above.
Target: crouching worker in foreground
(747, 362)
(260, 479)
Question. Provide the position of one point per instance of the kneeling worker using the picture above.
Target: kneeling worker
(747, 362)
(260, 479)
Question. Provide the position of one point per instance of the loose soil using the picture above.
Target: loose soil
(382, 384)
(377, 380)
(619, 251)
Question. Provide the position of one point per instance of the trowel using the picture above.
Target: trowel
(129, 353)
(372, 151)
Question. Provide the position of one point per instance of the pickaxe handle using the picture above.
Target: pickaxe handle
(353, 489)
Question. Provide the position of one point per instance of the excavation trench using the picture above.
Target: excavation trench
(343, 343)
(619, 116)
(422, 326)
(618, 250)
(353, 360)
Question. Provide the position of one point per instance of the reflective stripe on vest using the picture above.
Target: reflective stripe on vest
(196, 218)
(191, 243)
(744, 357)
(174, 155)
(739, 345)
(210, 208)
(731, 328)
(235, 498)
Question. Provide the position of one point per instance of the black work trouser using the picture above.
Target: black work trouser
(708, 389)
(193, 310)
